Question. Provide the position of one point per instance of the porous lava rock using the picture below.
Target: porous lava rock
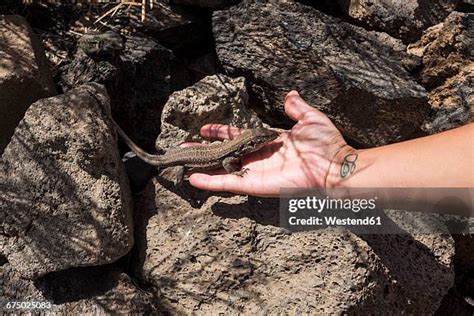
(448, 71)
(137, 81)
(65, 200)
(99, 290)
(214, 99)
(404, 19)
(226, 254)
(24, 73)
(359, 79)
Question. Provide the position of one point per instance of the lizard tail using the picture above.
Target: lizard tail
(154, 160)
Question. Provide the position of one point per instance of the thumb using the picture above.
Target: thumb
(295, 107)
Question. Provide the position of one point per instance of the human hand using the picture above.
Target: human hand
(299, 158)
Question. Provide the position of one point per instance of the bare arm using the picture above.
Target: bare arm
(441, 160)
(314, 154)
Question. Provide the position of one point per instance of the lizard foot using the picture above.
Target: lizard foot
(242, 172)
(173, 174)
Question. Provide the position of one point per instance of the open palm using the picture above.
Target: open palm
(300, 157)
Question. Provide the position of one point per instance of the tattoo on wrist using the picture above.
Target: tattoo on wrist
(348, 165)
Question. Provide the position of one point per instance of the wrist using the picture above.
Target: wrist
(342, 167)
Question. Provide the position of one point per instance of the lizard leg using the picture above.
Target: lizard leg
(232, 165)
(173, 174)
(179, 175)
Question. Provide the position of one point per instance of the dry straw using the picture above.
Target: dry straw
(144, 4)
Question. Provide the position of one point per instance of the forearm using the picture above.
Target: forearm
(441, 160)
(445, 160)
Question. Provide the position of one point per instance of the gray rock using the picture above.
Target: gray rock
(24, 73)
(143, 88)
(404, 19)
(358, 78)
(181, 29)
(83, 69)
(227, 255)
(206, 64)
(214, 99)
(138, 82)
(65, 200)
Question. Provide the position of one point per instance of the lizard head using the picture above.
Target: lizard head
(260, 137)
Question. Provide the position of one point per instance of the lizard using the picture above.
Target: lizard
(99, 44)
(214, 156)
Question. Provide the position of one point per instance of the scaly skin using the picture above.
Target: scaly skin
(226, 154)
(101, 44)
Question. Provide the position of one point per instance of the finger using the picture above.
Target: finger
(227, 182)
(211, 172)
(220, 131)
(190, 144)
(296, 107)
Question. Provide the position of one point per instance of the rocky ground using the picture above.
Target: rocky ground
(93, 234)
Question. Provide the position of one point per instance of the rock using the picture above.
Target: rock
(404, 19)
(143, 90)
(459, 300)
(227, 255)
(93, 290)
(464, 253)
(83, 69)
(24, 73)
(453, 102)
(206, 64)
(186, 71)
(65, 197)
(409, 258)
(184, 30)
(465, 6)
(214, 99)
(51, 22)
(138, 82)
(138, 172)
(98, 44)
(447, 72)
(209, 4)
(456, 303)
(445, 49)
(355, 77)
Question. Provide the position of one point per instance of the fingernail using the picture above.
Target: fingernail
(292, 92)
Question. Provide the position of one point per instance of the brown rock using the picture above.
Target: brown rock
(447, 72)
(445, 49)
(214, 99)
(404, 19)
(24, 73)
(65, 200)
(100, 290)
(453, 102)
(354, 76)
(226, 255)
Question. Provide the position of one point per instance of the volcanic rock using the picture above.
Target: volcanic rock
(358, 78)
(65, 200)
(24, 73)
